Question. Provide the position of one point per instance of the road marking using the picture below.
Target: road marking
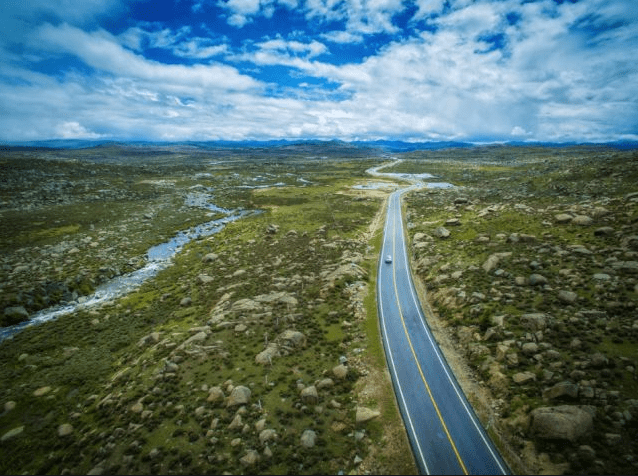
(427, 386)
(398, 382)
(451, 380)
(462, 400)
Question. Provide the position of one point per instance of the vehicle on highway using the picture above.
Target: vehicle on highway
(388, 259)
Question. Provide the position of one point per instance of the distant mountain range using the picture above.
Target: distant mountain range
(382, 145)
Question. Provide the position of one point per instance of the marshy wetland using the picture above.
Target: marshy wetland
(256, 348)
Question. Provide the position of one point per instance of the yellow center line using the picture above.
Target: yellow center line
(427, 387)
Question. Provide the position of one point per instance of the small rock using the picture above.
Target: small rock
(309, 395)
(364, 414)
(563, 218)
(187, 301)
(535, 321)
(561, 390)
(236, 423)
(209, 258)
(267, 435)
(325, 383)
(10, 405)
(251, 458)
(95, 471)
(537, 279)
(523, 377)
(204, 279)
(65, 429)
(567, 296)
(215, 394)
(582, 220)
(340, 371)
(308, 438)
(41, 391)
(12, 433)
(442, 233)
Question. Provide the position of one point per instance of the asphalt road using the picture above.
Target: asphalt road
(445, 434)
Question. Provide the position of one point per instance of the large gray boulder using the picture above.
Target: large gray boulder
(564, 422)
(534, 321)
(240, 395)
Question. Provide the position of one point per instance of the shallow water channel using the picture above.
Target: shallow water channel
(418, 180)
(158, 258)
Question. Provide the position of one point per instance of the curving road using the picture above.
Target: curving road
(444, 432)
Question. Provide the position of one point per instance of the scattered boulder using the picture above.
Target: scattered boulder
(565, 422)
(267, 435)
(561, 390)
(12, 433)
(442, 233)
(523, 377)
(340, 371)
(41, 391)
(65, 429)
(582, 220)
(494, 259)
(537, 279)
(529, 348)
(563, 218)
(266, 356)
(567, 296)
(209, 258)
(535, 321)
(204, 279)
(308, 438)
(251, 458)
(364, 414)
(309, 395)
(291, 339)
(240, 395)
(325, 383)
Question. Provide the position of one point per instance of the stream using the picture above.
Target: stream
(158, 258)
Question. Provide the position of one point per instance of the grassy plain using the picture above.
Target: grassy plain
(122, 388)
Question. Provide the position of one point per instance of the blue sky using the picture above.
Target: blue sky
(416, 70)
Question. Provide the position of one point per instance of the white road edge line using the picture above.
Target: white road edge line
(436, 349)
(389, 353)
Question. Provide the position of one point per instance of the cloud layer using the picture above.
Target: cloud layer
(349, 69)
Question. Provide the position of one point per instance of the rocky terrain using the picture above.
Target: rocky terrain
(256, 351)
(531, 271)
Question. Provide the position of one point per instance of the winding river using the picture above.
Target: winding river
(158, 258)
